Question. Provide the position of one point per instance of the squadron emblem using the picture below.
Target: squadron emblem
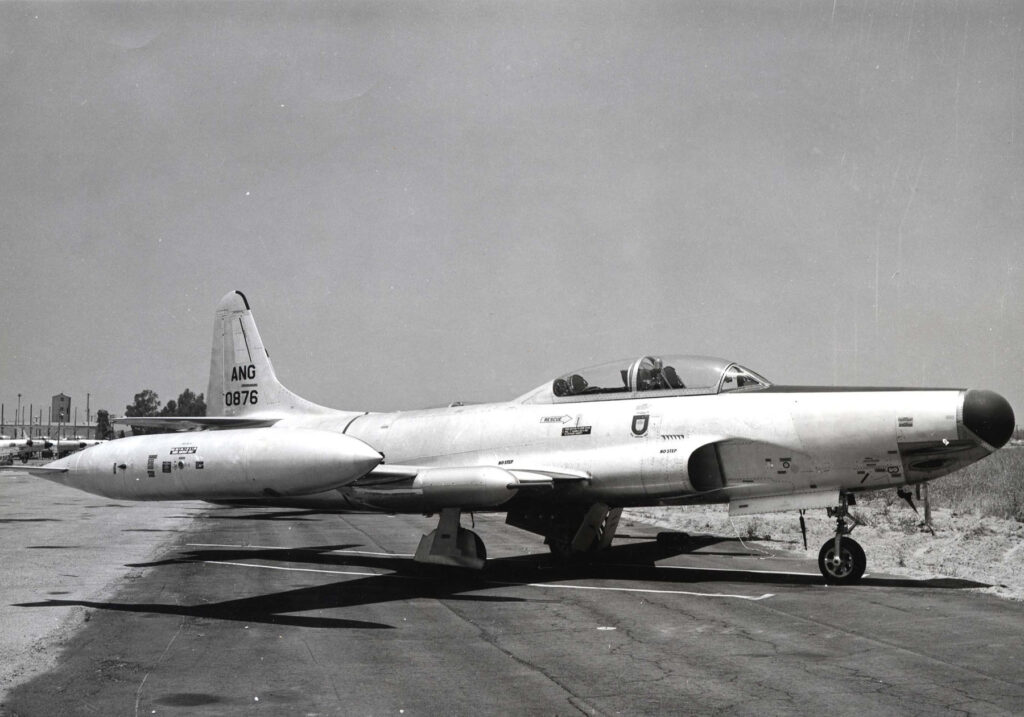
(640, 422)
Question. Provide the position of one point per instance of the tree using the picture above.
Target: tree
(190, 404)
(103, 429)
(147, 403)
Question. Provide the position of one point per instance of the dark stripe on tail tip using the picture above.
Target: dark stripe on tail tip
(244, 300)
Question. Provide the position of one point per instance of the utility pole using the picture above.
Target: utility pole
(19, 417)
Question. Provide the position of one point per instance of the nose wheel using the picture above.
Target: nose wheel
(841, 560)
(845, 566)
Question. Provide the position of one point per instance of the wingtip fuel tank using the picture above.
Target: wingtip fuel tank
(218, 465)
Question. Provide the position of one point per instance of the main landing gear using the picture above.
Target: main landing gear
(570, 531)
(841, 559)
(575, 532)
(451, 544)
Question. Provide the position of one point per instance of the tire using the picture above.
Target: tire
(851, 565)
(559, 542)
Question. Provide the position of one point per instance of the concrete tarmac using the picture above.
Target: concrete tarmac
(56, 541)
(299, 613)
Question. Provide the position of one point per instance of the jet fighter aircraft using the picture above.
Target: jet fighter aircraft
(25, 448)
(66, 446)
(561, 461)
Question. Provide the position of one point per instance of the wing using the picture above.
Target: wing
(386, 474)
(191, 423)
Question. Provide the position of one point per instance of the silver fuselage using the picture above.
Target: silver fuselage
(707, 448)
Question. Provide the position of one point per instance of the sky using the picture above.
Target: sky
(427, 202)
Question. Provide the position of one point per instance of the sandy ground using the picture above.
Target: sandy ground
(986, 550)
(55, 541)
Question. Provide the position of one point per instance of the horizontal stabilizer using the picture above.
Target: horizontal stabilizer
(779, 503)
(191, 423)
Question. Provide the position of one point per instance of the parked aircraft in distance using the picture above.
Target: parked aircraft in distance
(24, 448)
(66, 446)
(561, 461)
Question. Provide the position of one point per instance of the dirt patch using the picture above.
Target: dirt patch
(986, 550)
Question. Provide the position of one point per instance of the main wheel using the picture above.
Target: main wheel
(847, 567)
(559, 540)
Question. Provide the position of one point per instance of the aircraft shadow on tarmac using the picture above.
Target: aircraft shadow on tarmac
(408, 580)
(232, 513)
(30, 520)
(298, 515)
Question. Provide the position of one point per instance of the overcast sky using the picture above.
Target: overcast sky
(429, 202)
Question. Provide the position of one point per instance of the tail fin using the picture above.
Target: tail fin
(242, 379)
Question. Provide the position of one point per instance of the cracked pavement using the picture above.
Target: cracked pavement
(293, 612)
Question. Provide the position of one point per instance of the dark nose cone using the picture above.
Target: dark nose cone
(988, 416)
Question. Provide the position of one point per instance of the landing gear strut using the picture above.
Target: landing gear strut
(576, 532)
(841, 559)
(451, 544)
(570, 531)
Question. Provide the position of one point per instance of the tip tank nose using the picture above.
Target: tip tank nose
(988, 416)
(361, 456)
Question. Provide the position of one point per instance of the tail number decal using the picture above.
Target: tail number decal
(241, 398)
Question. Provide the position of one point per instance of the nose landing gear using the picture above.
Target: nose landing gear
(841, 560)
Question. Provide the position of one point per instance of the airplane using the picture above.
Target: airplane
(66, 446)
(11, 447)
(561, 460)
(25, 448)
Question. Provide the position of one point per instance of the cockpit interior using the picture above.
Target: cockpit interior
(668, 375)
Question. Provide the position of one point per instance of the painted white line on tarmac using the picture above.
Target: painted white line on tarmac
(308, 550)
(643, 590)
(299, 570)
(723, 570)
(728, 570)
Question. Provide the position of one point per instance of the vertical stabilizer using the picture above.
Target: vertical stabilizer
(242, 379)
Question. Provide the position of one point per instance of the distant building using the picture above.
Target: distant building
(60, 409)
(62, 421)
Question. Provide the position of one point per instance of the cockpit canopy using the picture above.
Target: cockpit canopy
(666, 375)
